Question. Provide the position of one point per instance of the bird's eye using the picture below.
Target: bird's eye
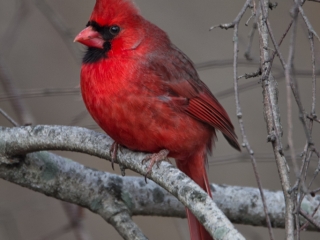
(114, 30)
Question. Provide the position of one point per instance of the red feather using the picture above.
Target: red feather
(146, 94)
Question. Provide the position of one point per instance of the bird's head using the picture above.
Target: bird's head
(114, 26)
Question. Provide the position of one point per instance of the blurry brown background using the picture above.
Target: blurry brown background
(39, 59)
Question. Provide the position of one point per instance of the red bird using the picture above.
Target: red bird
(146, 94)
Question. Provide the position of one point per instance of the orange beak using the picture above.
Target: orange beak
(90, 38)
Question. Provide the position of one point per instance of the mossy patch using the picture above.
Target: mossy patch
(220, 233)
(95, 204)
(49, 169)
(158, 196)
(127, 200)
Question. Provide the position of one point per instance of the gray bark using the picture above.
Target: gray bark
(16, 142)
(70, 181)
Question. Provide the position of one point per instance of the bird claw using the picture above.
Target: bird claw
(155, 158)
(113, 152)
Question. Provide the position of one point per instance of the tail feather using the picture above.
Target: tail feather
(197, 231)
(194, 167)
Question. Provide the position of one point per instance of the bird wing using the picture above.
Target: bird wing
(180, 79)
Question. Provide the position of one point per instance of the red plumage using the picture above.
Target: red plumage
(146, 94)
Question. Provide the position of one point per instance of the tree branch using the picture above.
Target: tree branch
(23, 140)
(70, 181)
(245, 140)
(272, 116)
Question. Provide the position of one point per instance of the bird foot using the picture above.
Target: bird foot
(113, 152)
(155, 158)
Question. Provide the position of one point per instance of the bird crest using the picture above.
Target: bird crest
(109, 12)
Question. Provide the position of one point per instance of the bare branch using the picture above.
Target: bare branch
(69, 181)
(307, 22)
(20, 141)
(314, 81)
(246, 144)
(236, 20)
(10, 119)
(247, 54)
(54, 176)
(272, 116)
(44, 92)
(251, 75)
(288, 69)
(310, 219)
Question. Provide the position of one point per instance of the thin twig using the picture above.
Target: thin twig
(247, 54)
(316, 171)
(289, 81)
(254, 13)
(10, 119)
(251, 75)
(246, 143)
(309, 149)
(307, 22)
(288, 69)
(44, 92)
(235, 21)
(304, 226)
(314, 81)
(273, 117)
(275, 52)
(309, 218)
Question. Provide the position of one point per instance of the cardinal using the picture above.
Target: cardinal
(145, 93)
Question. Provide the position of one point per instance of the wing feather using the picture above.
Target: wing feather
(181, 80)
